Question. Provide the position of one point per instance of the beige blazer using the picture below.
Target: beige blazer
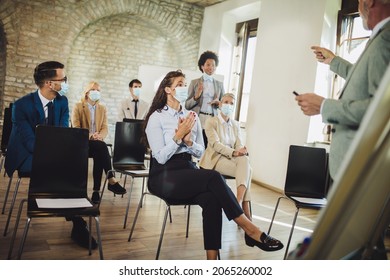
(81, 118)
(126, 109)
(215, 147)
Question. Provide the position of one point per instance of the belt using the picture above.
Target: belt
(208, 114)
(182, 156)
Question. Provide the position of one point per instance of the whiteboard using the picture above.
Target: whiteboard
(151, 77)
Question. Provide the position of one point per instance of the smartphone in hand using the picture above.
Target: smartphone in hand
(295, 93)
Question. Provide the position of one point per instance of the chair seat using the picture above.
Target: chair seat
(306, 202)
(129, 166)
(34, 211)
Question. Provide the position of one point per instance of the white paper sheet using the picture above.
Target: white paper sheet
(63, 202)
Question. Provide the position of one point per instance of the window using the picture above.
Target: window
(243, 62)
(352, 40)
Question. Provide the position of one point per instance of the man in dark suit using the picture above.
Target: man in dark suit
(47, 105)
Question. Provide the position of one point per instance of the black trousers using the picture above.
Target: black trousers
(179, 180)
(98, 150)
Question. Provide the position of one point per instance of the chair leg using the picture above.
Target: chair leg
(167, 210)
(24, 238)
(136, 216)
(291, 232)
(2, 162)
(273, 216)
(90, 235)
(104, 186)
(143, 187)
(170, 215)
(124, 182)
(12, 206)
(188, 220)
(128, 201)
(6, 194)
(11, 245)
(99, 237)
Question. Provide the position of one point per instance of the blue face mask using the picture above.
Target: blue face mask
(64, 89)
(137, 91)
(227, 109)
(181, 94)
(94, 95)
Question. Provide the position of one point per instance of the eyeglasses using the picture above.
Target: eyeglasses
(65, 79)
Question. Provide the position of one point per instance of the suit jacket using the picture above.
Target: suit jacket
(27, 113)
(362, 81)
(215, 147)
(81, 118)
(126, 109)
(195, 105)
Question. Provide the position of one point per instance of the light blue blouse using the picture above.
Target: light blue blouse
(161, 129)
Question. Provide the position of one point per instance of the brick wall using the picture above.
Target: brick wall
(102, 40)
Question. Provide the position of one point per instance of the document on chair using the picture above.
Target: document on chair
(63, 202)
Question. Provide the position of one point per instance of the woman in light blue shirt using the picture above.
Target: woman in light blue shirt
(174, 136)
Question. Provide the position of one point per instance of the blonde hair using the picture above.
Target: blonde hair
(88, 88)
(229, 95)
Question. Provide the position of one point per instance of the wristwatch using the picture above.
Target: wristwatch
(177, 141)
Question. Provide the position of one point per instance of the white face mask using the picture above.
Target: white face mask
(64, 89)
(181, 94)
(94, 95)
(137, 91)
(227, 109)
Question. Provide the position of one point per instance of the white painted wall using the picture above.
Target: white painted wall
(283, 63)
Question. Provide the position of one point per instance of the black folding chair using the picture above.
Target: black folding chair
(306, 182)
(6, 132)
(59, 173)
(128, 156)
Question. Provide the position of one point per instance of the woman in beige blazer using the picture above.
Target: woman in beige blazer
(225, 151)
(89, 114)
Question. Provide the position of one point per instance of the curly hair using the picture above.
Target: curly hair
(207, 55)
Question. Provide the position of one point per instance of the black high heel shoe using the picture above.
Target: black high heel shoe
(267, 243)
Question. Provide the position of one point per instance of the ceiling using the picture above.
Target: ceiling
(204, 3)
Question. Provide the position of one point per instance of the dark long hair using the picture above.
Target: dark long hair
(160, 99)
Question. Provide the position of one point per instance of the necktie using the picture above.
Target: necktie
(50, 113)
(135, 108)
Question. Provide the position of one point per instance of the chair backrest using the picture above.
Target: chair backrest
(307, 172)
(7, 127)
(60, 162)
(129, 151)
